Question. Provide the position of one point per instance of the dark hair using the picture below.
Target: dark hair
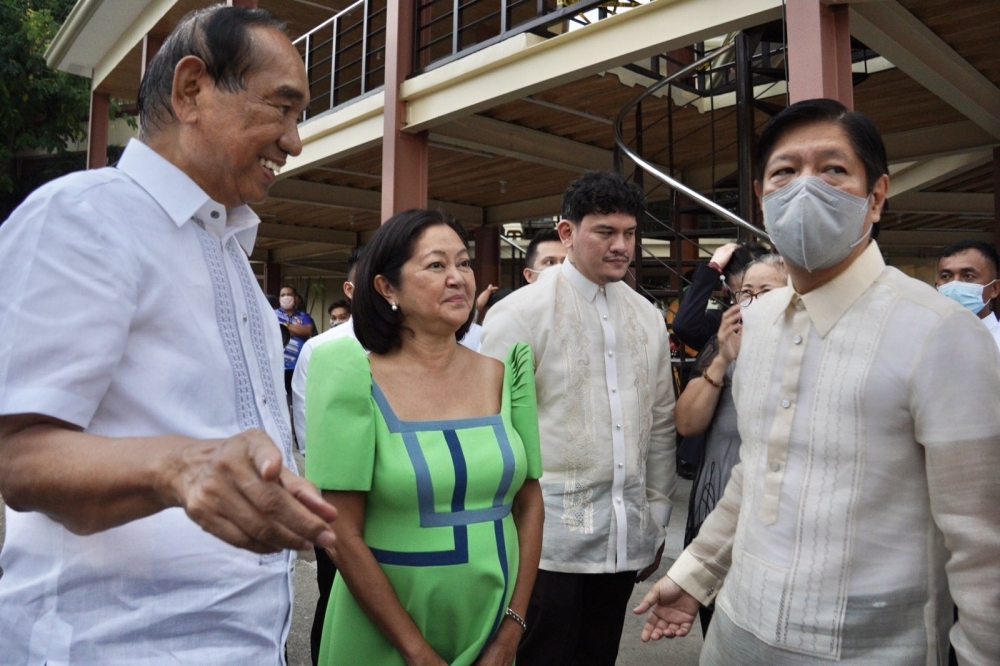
(860, 130)
(543, 236)
(988, 251)
(288, 286)
(602, 193)
(377, 326)
(497, 296)
(220, 36)
(352, 260)
(339, 303)
(743, 256)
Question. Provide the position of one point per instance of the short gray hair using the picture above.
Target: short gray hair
(218, 35)
(772, 260)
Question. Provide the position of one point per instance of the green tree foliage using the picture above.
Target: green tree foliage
(40, 109)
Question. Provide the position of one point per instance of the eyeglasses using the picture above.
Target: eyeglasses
(745, 298)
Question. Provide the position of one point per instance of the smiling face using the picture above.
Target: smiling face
(243, 138)
(436, 286)
(600, 246)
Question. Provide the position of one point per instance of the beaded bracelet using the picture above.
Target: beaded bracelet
(704, 375)
(517, 618)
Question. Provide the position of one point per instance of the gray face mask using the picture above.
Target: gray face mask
(814, 225)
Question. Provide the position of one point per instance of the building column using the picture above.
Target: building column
(97, 130)
(819, 51)
(150, 45)
(272, 277)
(487, 265)
(404, 155)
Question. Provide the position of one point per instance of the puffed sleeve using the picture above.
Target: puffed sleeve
(523, 405)
(340, 417)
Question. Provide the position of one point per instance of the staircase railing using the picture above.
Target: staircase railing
(668, 180)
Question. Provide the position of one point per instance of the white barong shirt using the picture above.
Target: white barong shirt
(128, 308)
(869, 413)
(605, 415)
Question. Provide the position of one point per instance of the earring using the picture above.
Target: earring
(395, 308)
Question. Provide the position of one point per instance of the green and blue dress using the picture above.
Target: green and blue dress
(438, 511)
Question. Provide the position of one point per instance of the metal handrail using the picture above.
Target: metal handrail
(675, 184)
(335, 66)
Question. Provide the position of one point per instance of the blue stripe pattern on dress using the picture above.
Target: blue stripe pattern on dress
(459, 517)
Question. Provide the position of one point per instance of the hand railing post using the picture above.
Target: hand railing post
(333, 64)
(364, 47)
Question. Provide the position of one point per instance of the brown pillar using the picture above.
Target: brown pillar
(150, 45)
(819, 51)
(404, 155)
(487, 267)
(97, 130)
(272, 277)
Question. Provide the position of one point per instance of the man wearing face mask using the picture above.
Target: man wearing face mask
(866, 497)
(968, 273)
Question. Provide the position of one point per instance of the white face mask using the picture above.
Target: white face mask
(287, 302)
(967, 294)
(814, 225)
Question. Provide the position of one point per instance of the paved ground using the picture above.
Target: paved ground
(632, 651)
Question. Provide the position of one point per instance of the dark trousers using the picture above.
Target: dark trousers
(575, 619)
(325, 571)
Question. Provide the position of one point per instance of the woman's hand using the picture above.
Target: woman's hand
(426, 658)
(730, 334)
(502, 648)
(723, 254)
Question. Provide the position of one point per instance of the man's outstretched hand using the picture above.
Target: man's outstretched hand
(239, 490)
(671, 611)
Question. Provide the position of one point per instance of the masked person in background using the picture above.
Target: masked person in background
(869, 448)
(300, 328)
(968, 272)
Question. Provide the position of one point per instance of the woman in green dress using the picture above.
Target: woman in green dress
(430, 453)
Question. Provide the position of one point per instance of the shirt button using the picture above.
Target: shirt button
(620, 465)
(214, 214)
(775, 466)
(614, 390)
(605, 317)
(264, 400)
(618, 499)
(611, 353)
(797, 339)
(799, 305)
(711, 590)
(786, 403)
(618, 426)
(244, 319)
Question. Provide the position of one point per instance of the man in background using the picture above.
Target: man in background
(544, 250)
(339, 312)
(325, 568)
(968, 273)
(605, 414)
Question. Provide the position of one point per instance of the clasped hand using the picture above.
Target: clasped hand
(239, 490)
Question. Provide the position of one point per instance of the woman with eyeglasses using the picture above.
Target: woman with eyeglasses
(706, 404)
